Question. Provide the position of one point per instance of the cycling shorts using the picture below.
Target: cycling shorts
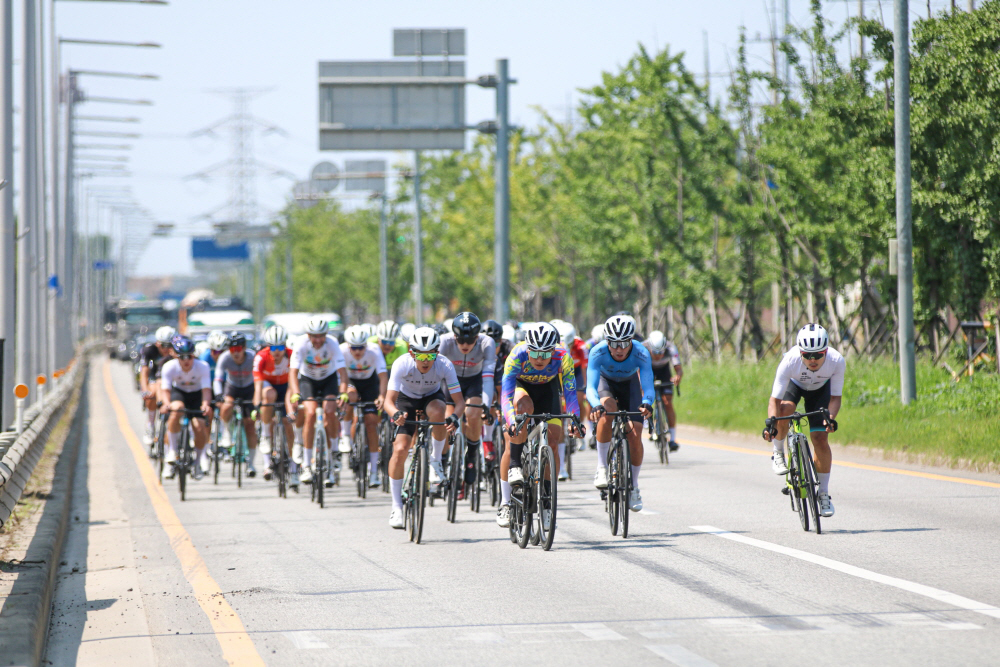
(472, 386)
(191, 399)
(664, 375)
(627, 393)
(545, 398)
(241, 394)
(815, 399)
(367, 390)
(411, 405)
(327, 387)
(280, 389)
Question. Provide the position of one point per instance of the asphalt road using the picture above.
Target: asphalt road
(717, 570)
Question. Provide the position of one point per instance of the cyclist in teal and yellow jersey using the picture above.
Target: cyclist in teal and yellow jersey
(388, 339)
(538, 378)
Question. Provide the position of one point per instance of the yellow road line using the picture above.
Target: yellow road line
(849, 464)
(237, 647)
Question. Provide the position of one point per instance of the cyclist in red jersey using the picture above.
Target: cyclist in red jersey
(270, 383)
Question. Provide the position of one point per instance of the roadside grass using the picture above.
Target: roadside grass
(950, 422)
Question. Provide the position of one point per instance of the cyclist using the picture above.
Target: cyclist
(620, 378)
(316, 371)
(813, 371)
(415, 385)
(596, 337)
(495, 330)
(390, 342)
(234, 382)
(406, 331)
(537, 378)
(270, 385)
(151, 359)
(217, 341)
(578, 350)
(474, 356)
(367, 382)
(187, 385)
(668, 371)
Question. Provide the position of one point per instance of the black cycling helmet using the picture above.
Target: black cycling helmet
(440, 328)
(237, 339)
(466, 327)
(182, 344)
(494, 330)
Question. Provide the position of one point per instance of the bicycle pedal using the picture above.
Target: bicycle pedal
(785, 490)
(604, 494)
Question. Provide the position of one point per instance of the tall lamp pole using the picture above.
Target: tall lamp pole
(904, 212)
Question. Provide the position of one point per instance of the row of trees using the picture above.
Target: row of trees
(728, 224)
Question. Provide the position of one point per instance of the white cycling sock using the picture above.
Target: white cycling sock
(673, 433)
(635, 476)
(504, 492)
(172, 443)
(307, 457)
(824, 482)
(779, 446)
(345, 428)
(437, 449)
(602, 453)
(396, 486)
(373, 462)
(298, 435)
(562, 455)
(151, 415)
(203, 457)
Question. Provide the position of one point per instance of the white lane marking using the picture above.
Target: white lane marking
(597, 631)
(680, 656)
(482, 637)
(645, 511)
(861, 573)
(303, 639)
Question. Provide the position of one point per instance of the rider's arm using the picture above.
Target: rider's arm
(459, 401)
(293, 381)
(835, 402)
(342, 373)
(390, 402)
(258, 391)
(220, 372)
(144, 378)
(594, 376)
(383, 383)
(489, 368)
(772, 406)
(646, 376)
(569, 385)
(508, 383)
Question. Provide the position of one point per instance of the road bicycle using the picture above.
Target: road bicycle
(386, 434)
(359, 459)
(280, 458)
(239, 452)
(215, 450)
(619, 492)
(801, 485)
(459, 477)
(321, 455)
(533, 504)
(491, 467)
(416, 479)
(658, 431)
(187, 457)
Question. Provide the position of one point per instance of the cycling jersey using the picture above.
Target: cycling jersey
(503, 351)
(153, 359)
(316, 363)
(207, 357)
(481, 360)
(398, 351)
(603, 365)
(407, 379)
(265, 369)
(235, 375)
(367, 366)
(578, 350)
(518, 368)
(793, 369)
(671, 357)
(196, 379)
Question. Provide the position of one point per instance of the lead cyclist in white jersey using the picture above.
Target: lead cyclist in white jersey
(813, 371)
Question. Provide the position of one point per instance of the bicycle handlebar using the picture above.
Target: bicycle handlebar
(522, 419)
(797, 416)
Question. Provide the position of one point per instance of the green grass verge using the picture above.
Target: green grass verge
(948, 420)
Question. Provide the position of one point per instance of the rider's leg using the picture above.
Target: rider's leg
(397, 466)
(603, 431)
(822, 459)
(226, 413)
(435, 411)
(347, 422)
(556, 435)
(785, 408)
(668, 406)
(371, 429)
(174, 430)
(635, 450)
(523, 405)
(308, 432)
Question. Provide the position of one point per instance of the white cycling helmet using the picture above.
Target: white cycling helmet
(218, 340)
(597, 333)
(508, 333)
(619, 328)
(355, 336)
(275, 335)
(368, 329)
(407, 330)
(165, 333)
(200, 347)
(425, 339)
(812, 338)
(657, 342)
(541, 336)
(387, 330)
(567, 332)
(317, 325)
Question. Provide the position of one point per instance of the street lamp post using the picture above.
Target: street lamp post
(7, 228)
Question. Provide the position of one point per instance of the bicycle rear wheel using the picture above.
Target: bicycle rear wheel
(547, 475)
(160, 454)
(359, 454)
(321, 463)
(182, 463)
(456, 462)
(423, 480)
(473, 491)
(216, 452)
(279, 454)
(611, 493)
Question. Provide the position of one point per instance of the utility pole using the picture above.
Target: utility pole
(27, 221)
(501, 244)
(383, 260)
(8, 232)
(418, 246)
(904, 219)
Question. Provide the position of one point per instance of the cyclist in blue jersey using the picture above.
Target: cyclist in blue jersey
(218, 342)
(620, 377)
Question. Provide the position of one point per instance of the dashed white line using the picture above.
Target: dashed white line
(861, 573)
(597, 631)
(303, 639)
(680, 656)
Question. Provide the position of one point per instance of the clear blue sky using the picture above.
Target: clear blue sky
(555, 47)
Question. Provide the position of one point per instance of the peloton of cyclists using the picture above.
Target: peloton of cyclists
(368, 379)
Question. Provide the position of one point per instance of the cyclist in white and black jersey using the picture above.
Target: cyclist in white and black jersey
(316, 370)
(151, 359)
(185, 384)
(415, 384)
(234, 382)
(474, 356)
(813, 371)
(668, 371)
(368, 379)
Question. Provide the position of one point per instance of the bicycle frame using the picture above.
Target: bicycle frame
(801, 484)
(416, 479)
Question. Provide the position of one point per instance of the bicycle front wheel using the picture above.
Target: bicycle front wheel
(423, 480)
(319, 474)
(456, 461)
(809, 480)
(799, 485)
(611, 493)
(182, 463)
(547, 475)
(473, 490)
(625, 479)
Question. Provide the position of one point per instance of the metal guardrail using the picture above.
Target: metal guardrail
(19, 454)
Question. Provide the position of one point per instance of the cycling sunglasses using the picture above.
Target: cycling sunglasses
(538, 354)
(236, 348)
(619, 344)
(277, 348)
(466, 341)
(389, 343)
(425, 356)
(186, 357)
(358, 348)
(813, 356)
